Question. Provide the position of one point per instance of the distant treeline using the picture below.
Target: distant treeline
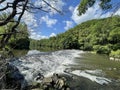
(100, 35)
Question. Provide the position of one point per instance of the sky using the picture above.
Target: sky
(51, 24)
(47, 24)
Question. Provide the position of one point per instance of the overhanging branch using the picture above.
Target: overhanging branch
(12, 15)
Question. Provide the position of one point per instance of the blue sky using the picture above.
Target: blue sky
(44, 25)
(51, 24)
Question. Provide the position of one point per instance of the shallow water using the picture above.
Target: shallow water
(88, 71)
(102, 73)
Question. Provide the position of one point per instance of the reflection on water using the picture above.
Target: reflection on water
(45, 49)
(97, 68)
(102, 62)
(19, 53)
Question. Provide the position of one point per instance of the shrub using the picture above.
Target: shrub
(115, 53)
(116, 46)
(102, 49)
(88, 47)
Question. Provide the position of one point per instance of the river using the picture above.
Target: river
(89, 71)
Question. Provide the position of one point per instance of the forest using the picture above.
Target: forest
(100, 35)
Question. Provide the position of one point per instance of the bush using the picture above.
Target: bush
(116, 46)
(115, 53)
(22, 43)
(102, 49)
(88, 47)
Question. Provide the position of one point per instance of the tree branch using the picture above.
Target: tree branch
(52, 7)
(12, 15)
(9, 33)
(14, 27)
(6, 37)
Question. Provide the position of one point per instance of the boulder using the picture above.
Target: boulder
(14, 79)
(56, 82)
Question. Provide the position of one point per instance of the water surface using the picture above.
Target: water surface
(86, 71)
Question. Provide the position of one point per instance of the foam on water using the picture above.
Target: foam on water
(46, 63)
(31, 52)
(90, 75)
(54, 62)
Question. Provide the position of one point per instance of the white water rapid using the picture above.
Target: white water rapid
(46, 63)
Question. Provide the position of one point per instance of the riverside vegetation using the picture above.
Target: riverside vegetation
(100, 35)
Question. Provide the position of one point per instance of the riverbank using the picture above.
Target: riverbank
(114, 55)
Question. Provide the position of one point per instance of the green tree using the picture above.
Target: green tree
(18, 8)
(85, 4)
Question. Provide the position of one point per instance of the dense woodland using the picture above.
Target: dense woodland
(101, 36)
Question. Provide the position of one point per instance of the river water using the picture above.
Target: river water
(88, 71)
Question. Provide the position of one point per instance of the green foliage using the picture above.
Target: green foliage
(105, 4)
(101, 35)
(22, 43)
(102, 49)
(114, 36)
(88, 47)
(115, 54)
(18, 40)
(116, 46)
(85, 4)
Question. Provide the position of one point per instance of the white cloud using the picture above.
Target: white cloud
(71, 8)
(31, 22)
(93, 12)
(29, 19)
(2, 5)
(69, 24)
(52, 35)
(49, 21)
(117, 12)
(37, 36)
(58, 4)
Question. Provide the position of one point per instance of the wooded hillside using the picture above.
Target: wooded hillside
(102, 36)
